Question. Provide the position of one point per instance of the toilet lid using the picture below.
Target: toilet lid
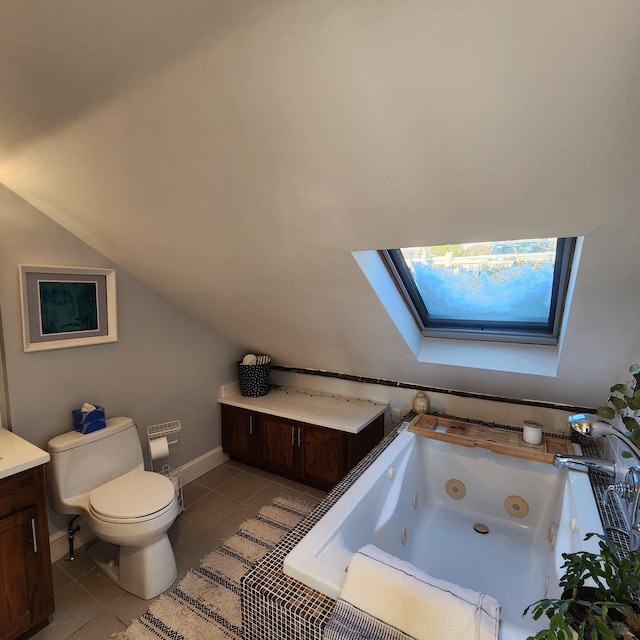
(134, 495)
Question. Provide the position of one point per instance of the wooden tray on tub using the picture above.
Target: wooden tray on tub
(503, 441)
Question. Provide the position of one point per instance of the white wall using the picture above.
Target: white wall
(400, 401)
(294, 133)
(163, 367)
(238, 169)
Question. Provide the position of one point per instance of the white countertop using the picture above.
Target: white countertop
(16, 454)
(314, 407)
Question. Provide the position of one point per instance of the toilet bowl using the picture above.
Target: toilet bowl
(101, 476)
(146, 565)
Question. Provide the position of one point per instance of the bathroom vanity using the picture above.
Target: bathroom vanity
(306, 436)
(25, 560)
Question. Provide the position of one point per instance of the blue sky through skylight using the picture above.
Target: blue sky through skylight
(505, 281)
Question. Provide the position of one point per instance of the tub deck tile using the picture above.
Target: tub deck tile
(275, 606)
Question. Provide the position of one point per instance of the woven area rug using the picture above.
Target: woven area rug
(206, 602)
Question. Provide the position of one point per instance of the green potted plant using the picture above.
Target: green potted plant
(625, 402)
(600, 598)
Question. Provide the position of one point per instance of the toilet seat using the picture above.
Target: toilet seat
(133, 497)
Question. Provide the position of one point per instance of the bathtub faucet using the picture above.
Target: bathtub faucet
(593, 426)
(586, 463)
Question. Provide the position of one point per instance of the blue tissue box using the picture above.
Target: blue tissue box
(88, 421)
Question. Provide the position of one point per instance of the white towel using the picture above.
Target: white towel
(409, 603)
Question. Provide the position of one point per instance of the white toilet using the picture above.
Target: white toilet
(101, 476)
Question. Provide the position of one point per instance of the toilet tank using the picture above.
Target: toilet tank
(81, 462)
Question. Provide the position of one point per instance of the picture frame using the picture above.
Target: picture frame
(67, 307)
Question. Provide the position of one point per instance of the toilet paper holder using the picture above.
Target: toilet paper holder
(164, 430)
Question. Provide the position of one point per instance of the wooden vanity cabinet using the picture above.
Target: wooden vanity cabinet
(278, 449)
(326, 456)
(314, 455)
(26, 584)
(239, 433)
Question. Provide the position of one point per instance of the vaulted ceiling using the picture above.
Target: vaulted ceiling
(232, 154)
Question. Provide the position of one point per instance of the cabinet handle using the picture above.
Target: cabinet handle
(293, 436)
(299, 430)
(33, 535)
(250, 425)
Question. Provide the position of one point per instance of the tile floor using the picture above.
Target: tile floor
(89, 606)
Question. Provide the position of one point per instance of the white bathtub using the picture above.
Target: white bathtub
(409, 503)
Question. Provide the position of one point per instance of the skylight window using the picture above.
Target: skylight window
(508, 290)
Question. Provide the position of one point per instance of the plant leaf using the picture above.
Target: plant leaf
(624, 390)
(601, 630)
(606, 412)
(618, 403)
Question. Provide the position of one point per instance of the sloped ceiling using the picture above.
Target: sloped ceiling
(232, 154)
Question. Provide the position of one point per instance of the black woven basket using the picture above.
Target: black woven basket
(254, 379)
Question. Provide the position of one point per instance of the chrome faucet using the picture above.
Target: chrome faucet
(586, 463)
(592, 426)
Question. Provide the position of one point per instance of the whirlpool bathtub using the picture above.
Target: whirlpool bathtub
(482, 520)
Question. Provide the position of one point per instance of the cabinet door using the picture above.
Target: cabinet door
(323, 456)
(278, 445)
(19, 572)
(239, 433)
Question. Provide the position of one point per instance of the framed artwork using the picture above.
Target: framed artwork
(67, 307)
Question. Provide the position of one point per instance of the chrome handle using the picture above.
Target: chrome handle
(299, 430)
(633, 476)
(250, 425)
(33, 535)
(293, 436)
(623, 489)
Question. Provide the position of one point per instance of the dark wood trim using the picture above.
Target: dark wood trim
(419, 387)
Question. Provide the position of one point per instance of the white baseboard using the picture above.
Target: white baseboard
(59, 541)
(202, 464)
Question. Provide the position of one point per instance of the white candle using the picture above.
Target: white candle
(532, 432)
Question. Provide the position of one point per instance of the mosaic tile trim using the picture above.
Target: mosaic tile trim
(275, 606)
(612, 519)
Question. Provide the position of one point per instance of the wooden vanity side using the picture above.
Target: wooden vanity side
(26, 582)
(359, 444)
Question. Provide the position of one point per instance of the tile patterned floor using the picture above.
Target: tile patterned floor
(89, 606)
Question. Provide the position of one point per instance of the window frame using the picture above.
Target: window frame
(496, 331)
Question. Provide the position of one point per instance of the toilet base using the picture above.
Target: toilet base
(144, 571)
